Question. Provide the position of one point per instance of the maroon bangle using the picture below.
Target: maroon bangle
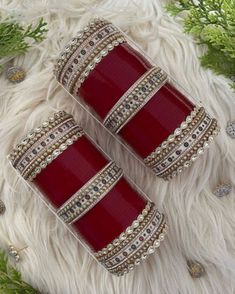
(89, 193)
(135, 99)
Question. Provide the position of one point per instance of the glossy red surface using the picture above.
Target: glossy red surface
(67, 173)
(111, 77)
(111, 216)
(156, 120)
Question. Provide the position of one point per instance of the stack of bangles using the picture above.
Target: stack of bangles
(117, 224)
(135, 99)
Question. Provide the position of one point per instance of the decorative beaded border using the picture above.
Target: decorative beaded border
(182, 148)
(40, 137)
(178, 139)
(178, 151)
(128, 238)
(108, 46)
(144, 251)
(93, 59)
(136, 225)
(134, 99)
(72, 45)
(136, 243)
(197, 149)
(36, 134)
(44, 144)
(90, 194)
(84, 53)
(56, 152)
(153, 157)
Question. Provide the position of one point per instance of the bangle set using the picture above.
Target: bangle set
(89, 193)
(135, 99)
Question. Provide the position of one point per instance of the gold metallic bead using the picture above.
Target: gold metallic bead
(195, 268)
(15, 74)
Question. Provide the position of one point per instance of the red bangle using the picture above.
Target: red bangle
(89, 192)
(135, 99)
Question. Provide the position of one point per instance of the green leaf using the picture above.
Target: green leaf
(13, 37)
(212, 23)
(10, 279)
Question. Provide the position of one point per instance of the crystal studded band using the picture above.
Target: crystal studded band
(90, 194)
(134, 99)
(84, 51)
(101, 51)
(136, 243)
(184, 145)
(44, 144)
(75, 42)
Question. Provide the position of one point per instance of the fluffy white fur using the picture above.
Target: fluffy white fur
(202, 226)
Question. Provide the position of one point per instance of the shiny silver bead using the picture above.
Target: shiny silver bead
(230, 129)
(195, 268)
(223, 190)
(13, 252)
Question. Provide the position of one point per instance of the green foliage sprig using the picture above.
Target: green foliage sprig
(212, 22)
(13, 36)
(10, 279)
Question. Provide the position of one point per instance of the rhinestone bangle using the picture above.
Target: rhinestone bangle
(90, 194)
(44, 144)
(148, 248)
(36, 134)
(178, 134)
(75, 42)
(184, 145)
(134, 99)
(194, 152)
(101, 52)
(84, 51)
(143, 242)
(141, 219)
(139, 240)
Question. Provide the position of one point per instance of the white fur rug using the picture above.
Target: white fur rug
(202, 226)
